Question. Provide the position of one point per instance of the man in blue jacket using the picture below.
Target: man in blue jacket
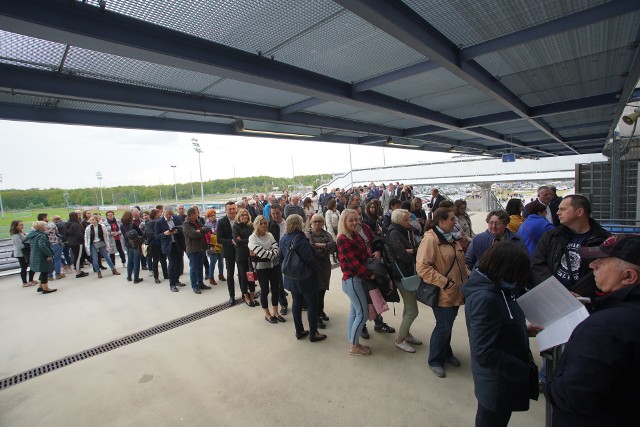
(168, 229)
(597, 379)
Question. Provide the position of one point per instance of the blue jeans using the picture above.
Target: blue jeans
(133, 262)
(57, 257)
(66, 254)
(213, 259)
(105, 255)
(196, 259)
(440, 344)
(359, 309)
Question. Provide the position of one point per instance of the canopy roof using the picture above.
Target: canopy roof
(536, 78)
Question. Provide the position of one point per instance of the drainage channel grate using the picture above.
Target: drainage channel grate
(130, 339)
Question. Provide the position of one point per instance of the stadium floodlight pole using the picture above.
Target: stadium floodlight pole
(193, 196)
(196, 147)
(1, 206)
(99, 176)
(175, 186)
(293, 179)
(235, 184)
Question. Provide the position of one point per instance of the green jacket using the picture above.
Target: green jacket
(40, 251)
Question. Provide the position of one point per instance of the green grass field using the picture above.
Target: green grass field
(30, 216)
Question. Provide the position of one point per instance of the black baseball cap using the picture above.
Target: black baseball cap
(623, 246)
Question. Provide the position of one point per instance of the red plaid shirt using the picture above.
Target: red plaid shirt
(353, 256)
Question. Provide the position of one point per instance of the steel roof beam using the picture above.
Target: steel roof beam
(10, 111)
(307, 103)
(43, 83)
(84, 26)
(401, 73)
(404, 24)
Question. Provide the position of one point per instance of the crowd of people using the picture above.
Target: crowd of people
(380, 236)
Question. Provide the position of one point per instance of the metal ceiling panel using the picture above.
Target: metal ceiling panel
(574, 91)
(467, 23)
(430, 83)
(248, 92)
(452, 98)
(608, 35)
(29, 51)
(117, 68)
(594, 115)
(512, 128)
(347, 48)
(473, 110)
(586, 69)
(371, 117)
(333, 109)
(403, 123)
(249, 25)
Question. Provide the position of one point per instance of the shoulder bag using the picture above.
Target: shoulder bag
(292, 265)
(410, 283)
(429, 294)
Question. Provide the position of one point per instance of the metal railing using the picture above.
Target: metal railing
(7, 260)
(620, 225)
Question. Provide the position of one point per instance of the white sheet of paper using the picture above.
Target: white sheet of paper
(553, 307)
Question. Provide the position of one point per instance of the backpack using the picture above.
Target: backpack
(133, 238)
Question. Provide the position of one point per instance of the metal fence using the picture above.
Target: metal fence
(7, 261)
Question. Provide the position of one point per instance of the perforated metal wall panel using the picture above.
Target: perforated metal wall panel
(452, 98)
(333, 109)
(474, 110)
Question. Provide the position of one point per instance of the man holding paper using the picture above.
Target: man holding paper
(597, 379)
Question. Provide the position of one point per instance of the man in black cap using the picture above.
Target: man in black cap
(597, 380)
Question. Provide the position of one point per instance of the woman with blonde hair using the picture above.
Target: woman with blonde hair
(353, 255)
(305, 288)
(264, 251)
(440, 262)
(241, 230)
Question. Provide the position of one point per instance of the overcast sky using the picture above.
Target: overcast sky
(36, 155)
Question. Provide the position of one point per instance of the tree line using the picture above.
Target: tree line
(140, 194)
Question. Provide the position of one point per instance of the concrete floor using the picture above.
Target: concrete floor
(232, 368)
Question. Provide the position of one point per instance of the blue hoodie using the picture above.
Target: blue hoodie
(532, 230)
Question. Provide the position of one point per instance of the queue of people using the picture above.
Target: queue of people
(374, 238)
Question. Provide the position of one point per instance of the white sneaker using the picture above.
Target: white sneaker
(413, 340)
(405, 346)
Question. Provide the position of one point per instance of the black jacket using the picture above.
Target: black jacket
(551, 250)
(225, 238)
(242, 245)
(75, 233)
(398, 240)
(274, 229)
(499, 345)
(596, 380)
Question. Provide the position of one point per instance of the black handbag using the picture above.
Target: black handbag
(292, 265)
(429, 294)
